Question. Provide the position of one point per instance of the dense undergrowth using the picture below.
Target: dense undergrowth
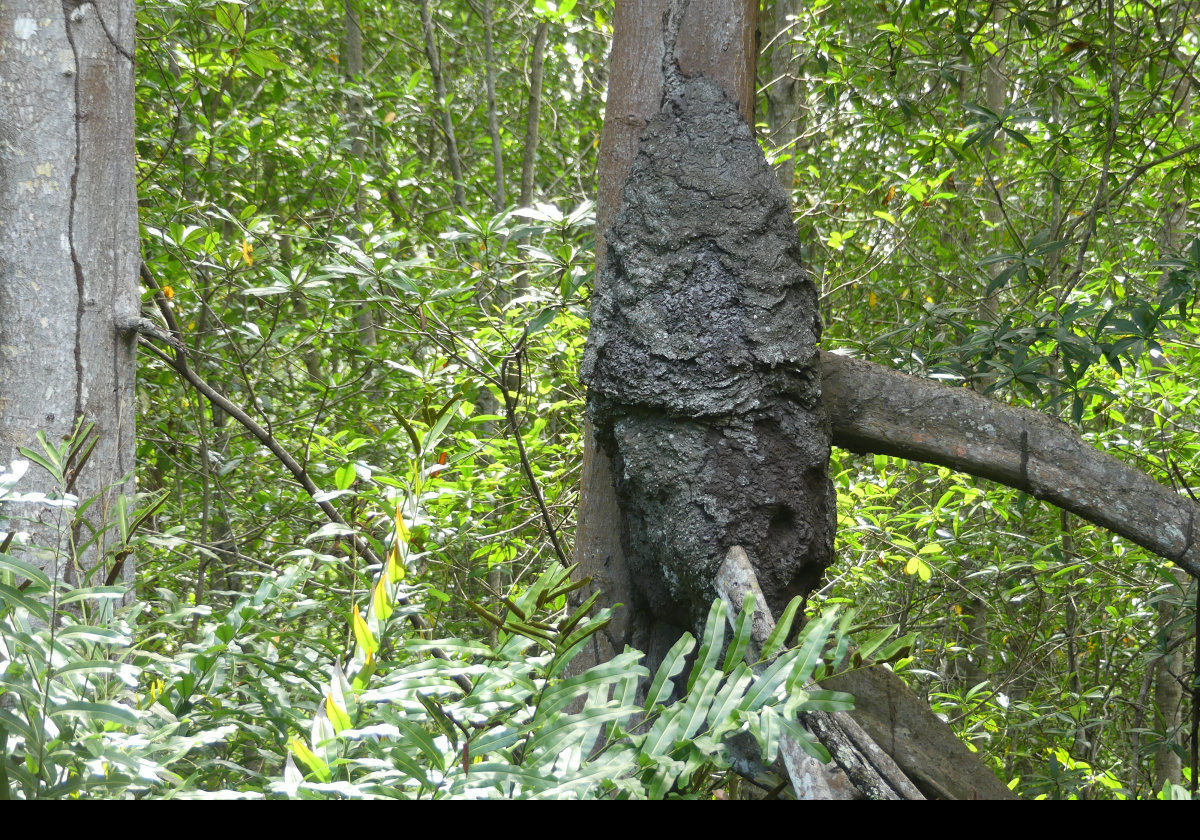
(999, 195)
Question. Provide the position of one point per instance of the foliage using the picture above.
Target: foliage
(94, 714)
(999, 194)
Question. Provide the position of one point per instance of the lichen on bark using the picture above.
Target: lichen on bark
(702, 365)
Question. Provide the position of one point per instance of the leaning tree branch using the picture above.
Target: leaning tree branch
(876, 410)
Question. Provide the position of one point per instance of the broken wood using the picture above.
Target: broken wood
(860, 769)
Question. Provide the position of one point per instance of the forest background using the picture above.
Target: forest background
(374, 229)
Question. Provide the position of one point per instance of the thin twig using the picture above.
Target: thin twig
(148, 333)
(510, 404)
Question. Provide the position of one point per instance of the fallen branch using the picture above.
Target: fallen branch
(890, 746)
(870, 771)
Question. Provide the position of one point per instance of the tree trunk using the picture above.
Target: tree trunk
(533, 116)
(785, 92)
(439, 88)
(68, 253)
(500, 196)
(365, 317)
(718, 40)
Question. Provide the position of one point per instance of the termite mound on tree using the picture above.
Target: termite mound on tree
(702, 365)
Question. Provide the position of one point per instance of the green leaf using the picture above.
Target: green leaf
(14, 597)
(672, 665)
(714, 640)
(113, 712)
(783, 628)
(765, 685)
(812, 643)
(25, 570)
(742, 630)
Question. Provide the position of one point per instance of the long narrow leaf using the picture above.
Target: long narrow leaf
(713, 642)
(672, 664)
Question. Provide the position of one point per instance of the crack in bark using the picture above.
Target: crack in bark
(1025, 485)
(69, 7)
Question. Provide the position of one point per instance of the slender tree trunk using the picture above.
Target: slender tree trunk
(1168, 687)
(439, 87)
(353, 68)
(1169, 667)
(785, 91)
(996, 94)
(537, 65)
(68, 254)
(500, 197)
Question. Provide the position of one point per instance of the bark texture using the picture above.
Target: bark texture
(786, 110)
(68, 243)
(439, 88)
(924, 746)
(717, 38)
(891, 746)
(873, 409)
(702, 365)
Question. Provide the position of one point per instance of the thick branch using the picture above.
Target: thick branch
(873, 409)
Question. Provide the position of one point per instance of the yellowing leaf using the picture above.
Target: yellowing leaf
(381, 602)
(337, 715)
(168, 292)
(314, 762)
(247, 253)
(401, 529)
(395, 566)
(362, 634)
(873, 300)
(917, 566)
(390, 118)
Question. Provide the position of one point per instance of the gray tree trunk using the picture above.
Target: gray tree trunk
(68, 253)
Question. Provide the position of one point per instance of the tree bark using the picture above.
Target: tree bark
(1169, 679)
(873, 409)
(533, 117)
(68, 251)
(500, 196)
(365, 317)
(785, 93)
